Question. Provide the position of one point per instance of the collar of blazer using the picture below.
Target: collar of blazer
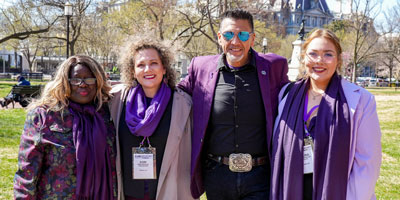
(352, 93)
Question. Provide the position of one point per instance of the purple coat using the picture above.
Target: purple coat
(200, 84)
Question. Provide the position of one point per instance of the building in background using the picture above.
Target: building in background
(289, 13)
(13, 62)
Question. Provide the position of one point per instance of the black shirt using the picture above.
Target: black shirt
(136, 188)
(237, 120)
(308, 178)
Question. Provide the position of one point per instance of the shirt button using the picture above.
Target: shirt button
(237, 146)
(237, 126)
(201, 140)
(236, 107)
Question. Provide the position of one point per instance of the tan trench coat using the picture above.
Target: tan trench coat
(174, 179)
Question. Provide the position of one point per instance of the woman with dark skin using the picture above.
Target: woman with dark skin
(67, 146)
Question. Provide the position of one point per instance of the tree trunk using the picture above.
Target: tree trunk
(353, 73)
(390, 71)
(72, 48)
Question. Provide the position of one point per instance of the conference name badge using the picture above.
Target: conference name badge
(144, 163)
(308, 155)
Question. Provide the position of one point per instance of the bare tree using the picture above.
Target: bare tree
(29, 49)
(201, 23)
(81, 8)
(207, 17)
(23, 19)
(391, 40)
(99, 38)
(159, 10)
(363, 31)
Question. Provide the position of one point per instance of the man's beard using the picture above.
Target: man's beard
(234, 59)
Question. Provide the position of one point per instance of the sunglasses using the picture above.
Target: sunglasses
(242, 35)
(79, 81)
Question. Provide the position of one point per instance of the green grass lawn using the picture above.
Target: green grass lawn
(11, 125)
(5, 88)
(388, 186)
(384, 91)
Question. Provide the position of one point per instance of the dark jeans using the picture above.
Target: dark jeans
(9, 98)
(220, 183)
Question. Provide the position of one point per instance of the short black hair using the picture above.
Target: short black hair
(238, 14)
(20, 78)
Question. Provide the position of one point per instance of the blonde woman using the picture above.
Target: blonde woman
(67, 145)
(153, 125)
(326, 142)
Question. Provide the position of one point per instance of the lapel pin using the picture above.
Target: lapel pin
(263, 72)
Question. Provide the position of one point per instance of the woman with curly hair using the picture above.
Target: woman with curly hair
(326, 142)
(153, 125)
(67, 146)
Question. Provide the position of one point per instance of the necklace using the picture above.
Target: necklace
(315, 96)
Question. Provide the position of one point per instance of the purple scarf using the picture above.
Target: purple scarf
(93, 165)
(331, 145)
(143, 119)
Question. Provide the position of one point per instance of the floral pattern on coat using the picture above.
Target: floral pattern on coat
(46, 158)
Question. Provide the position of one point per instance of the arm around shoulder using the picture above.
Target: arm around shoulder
(284, 72)
(188, 82)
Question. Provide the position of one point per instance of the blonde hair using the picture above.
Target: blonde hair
(321, 33)
(56, 92)
(135, 44)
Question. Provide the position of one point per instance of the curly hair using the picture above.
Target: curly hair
(57, 92)
(135, 44)
(321, 33)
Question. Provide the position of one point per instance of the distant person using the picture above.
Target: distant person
(153, 124)
(67, 146)
(22, 81)
(327, 139)
(11, 97)
(235, 101)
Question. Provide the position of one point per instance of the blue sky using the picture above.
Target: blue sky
(386, 5)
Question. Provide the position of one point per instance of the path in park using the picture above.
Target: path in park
(16, 105)
(387, 98)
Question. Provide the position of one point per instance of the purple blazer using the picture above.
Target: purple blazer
(200, 84)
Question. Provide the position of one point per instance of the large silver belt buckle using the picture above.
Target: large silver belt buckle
(240, 162)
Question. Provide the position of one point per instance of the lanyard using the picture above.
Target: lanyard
(307, 115)
(142, 143)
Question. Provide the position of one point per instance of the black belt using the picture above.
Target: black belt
(225, 160)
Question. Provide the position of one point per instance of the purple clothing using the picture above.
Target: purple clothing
(200, 84)
(332, 136)
(93, 162)
(47, 156)
(143, 119)
(365, 151)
